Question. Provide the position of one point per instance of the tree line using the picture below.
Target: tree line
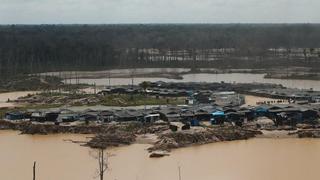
(40, 48)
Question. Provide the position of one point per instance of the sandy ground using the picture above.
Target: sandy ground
(90, 90)
(276, 134)
(146, 139)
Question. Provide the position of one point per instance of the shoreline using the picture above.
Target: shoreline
(178, 73)
(161, 140)
(294, 76)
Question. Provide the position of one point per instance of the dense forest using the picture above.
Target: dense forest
(40, 48)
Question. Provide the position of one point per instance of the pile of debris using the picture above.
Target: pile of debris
(54, 129)
(154, 129)
(180, 139)
(102, 141)
(313, 133)
(6, 125)
(31, 128)
(59, 99)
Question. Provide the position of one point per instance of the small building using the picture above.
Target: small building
(106, 116)
(173, 116)
(309, 115)
(119, 90)
(217, 117)
(38, 116)
(204, 112)
(128, 115)
(195, 122)
(151, 118)
(89, 115)
(249, 115)
(228, 98)
(202, 98)
(187, 114)
(68, 118)
(234, 117)
(42, 116)
(67, 115)
(14, 116)
(105, 91)
(261, 111)
(52, 116)
(190, 101)
(170, 114)
(316, 99)
(202, 115)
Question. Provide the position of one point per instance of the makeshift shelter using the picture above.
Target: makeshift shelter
(150, 118)
(106, 116)
(217, 117)
(261, 111)
(195, 122)
(14, 116)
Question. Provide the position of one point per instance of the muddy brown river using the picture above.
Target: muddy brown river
(255, 159)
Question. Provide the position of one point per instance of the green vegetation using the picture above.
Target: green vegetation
(25, 83)
(75, 99)
(144, 85)
(42, 48)
(36, 83)
(307, 76)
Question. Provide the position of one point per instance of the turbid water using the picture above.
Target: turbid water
(4, 97)
(255, 159)
(230, 78)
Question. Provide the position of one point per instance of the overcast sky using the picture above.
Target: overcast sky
(158, 11)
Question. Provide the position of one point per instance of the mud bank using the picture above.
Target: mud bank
(31, 128)
(44, 129)
(111, 135)
(125, 134)
(105, 135)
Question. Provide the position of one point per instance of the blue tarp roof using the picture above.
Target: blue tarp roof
(14, 113)
(218, 113)
(261, 109)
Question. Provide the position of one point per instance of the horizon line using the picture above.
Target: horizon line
(240, 23)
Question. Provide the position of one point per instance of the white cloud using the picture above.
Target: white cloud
(158, 11)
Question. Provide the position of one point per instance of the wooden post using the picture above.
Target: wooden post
(102, 163)
(179, 168)
(34, 170)
(109, 78)
(70, 77)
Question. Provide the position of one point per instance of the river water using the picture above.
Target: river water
(230, 78)
(4, 97)
(255, 159)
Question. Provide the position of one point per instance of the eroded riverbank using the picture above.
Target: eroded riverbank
(125, 133)
(165, 140)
